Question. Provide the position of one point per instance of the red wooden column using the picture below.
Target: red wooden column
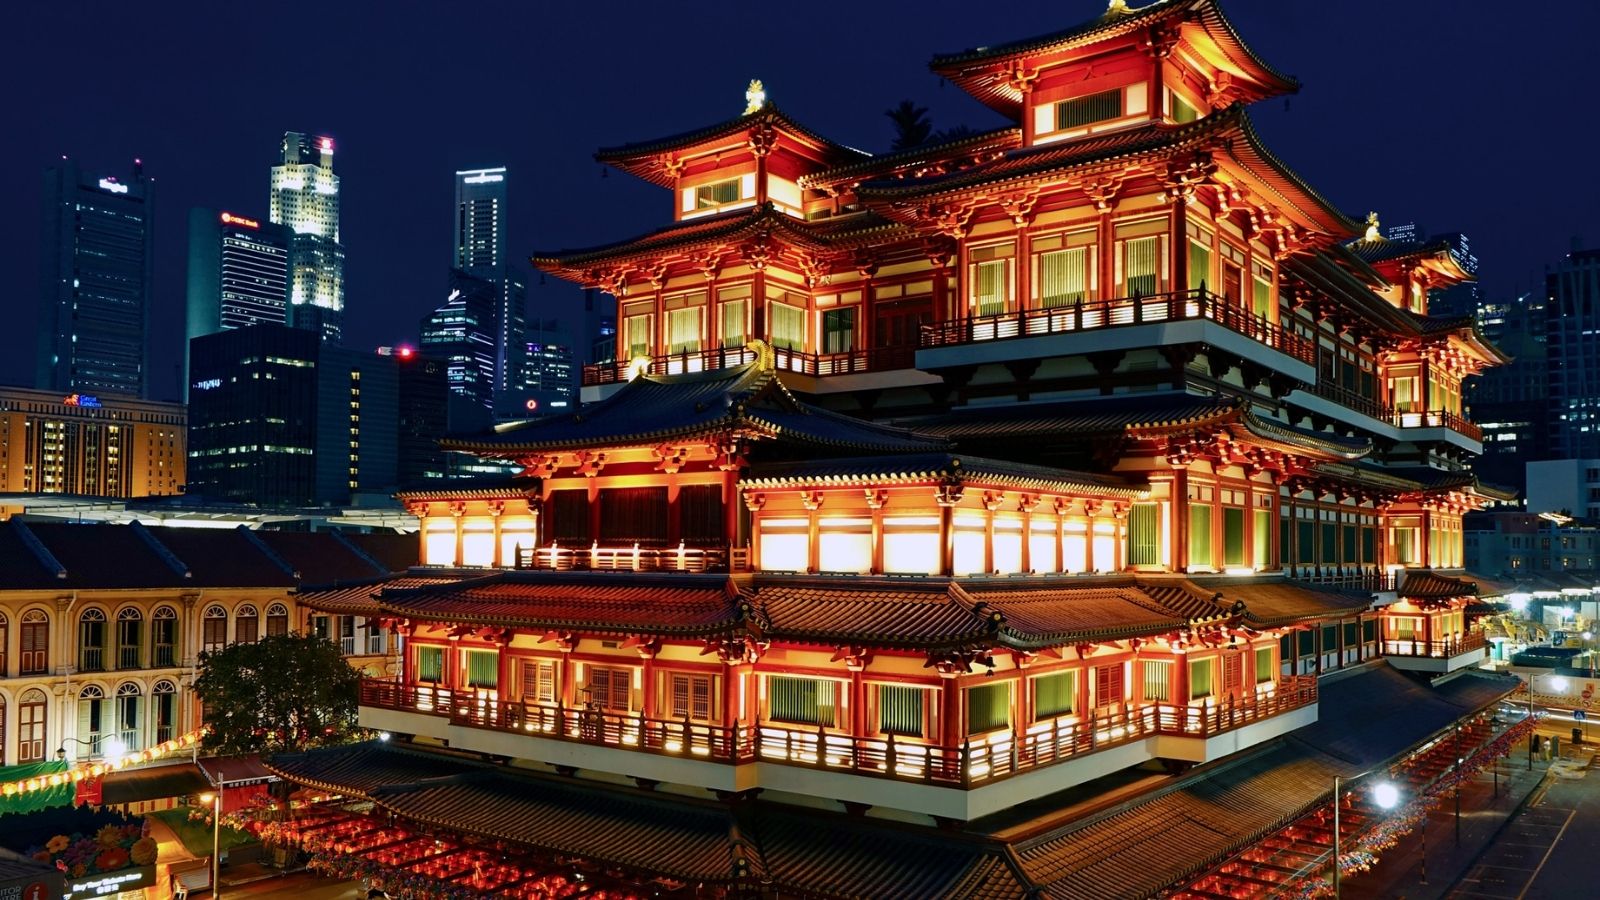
(876, 499)
(647, 666)
(950, 724)
(1180, 519)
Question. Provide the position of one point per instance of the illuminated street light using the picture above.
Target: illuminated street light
(1386, 795)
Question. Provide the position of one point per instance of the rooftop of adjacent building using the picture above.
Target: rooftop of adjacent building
(44, 555)
(87, 406)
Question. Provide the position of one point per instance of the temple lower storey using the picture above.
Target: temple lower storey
(445, 821)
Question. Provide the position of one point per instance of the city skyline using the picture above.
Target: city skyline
(398, 189)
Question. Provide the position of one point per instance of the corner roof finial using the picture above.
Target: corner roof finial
(1373, 234)
(755, 97)
(1116, 6)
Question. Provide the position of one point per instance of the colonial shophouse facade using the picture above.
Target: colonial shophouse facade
(102, 626)
(933, 483)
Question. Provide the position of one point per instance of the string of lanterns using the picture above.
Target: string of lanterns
(98, 769)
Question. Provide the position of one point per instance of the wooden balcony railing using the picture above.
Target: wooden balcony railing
(1176, 306)
(976, 761)
(635, 559)
(1333, 576)
(1439, 418)
(1446, 648)
(878, 359)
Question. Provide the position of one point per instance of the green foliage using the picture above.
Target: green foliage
(283, 693)
(912, 127)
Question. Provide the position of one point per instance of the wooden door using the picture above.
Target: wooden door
(30, 732)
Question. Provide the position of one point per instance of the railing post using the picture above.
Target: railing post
(966, 762)
(889, 753)
(1016, 751)
(822, 747)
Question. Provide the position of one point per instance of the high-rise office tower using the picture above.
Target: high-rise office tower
(1572, 321)
(238, 274)
(480, 250)
(461, 333)
(97, 277)
(278, 417)
(305, 199)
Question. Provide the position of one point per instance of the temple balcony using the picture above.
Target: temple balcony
(1350, 407)
(1179, 317)
(981, 775)
(635, 558)
(812, 373)
(1437, 657)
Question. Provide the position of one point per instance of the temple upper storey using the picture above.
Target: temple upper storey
(1173, 61)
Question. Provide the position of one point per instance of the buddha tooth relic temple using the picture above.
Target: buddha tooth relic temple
(1055, 511)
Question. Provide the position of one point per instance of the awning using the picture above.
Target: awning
(154, 783)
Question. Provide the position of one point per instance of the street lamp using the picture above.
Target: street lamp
(112, 748)
(215, 799)
(1384, 794)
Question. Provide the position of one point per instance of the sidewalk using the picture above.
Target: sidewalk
(1405, 873)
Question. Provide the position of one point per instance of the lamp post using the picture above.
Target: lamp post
(111, 748)
(1384, 794)
(215, 799)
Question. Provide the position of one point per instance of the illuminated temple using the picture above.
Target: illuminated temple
(1050, 512)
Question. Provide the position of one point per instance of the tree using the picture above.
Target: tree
(283, 693)
(912, 128)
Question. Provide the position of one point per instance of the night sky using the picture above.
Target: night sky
(1457, 114)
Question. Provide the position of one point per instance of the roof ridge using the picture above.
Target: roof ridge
(162, 550)
(267, 551)
(339, 538)
(38, 549)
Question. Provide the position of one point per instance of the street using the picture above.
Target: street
(1549, 849)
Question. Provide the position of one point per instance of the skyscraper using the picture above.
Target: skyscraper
(280, 418)
(97, 276)
(305, 199)
(1572, 321)
(480, 250)
(461, 333)
(238, 274)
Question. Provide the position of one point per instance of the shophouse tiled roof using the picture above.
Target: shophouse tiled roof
(318, 558)
(66, 556)
(746, 399)
(223, 558)
(393, 552)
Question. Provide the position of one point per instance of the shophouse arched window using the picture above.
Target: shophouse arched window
(164, 637)
(246, 625)
(93, 722)
(92, 640)
(31, 713)
(130, 636)
(164, 707)
(129, 701)
(277, 620)
(214, 629)
(35, 643)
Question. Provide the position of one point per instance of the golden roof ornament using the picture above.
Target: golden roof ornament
(1117, 7)
(1372, 228)
(755, 97)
